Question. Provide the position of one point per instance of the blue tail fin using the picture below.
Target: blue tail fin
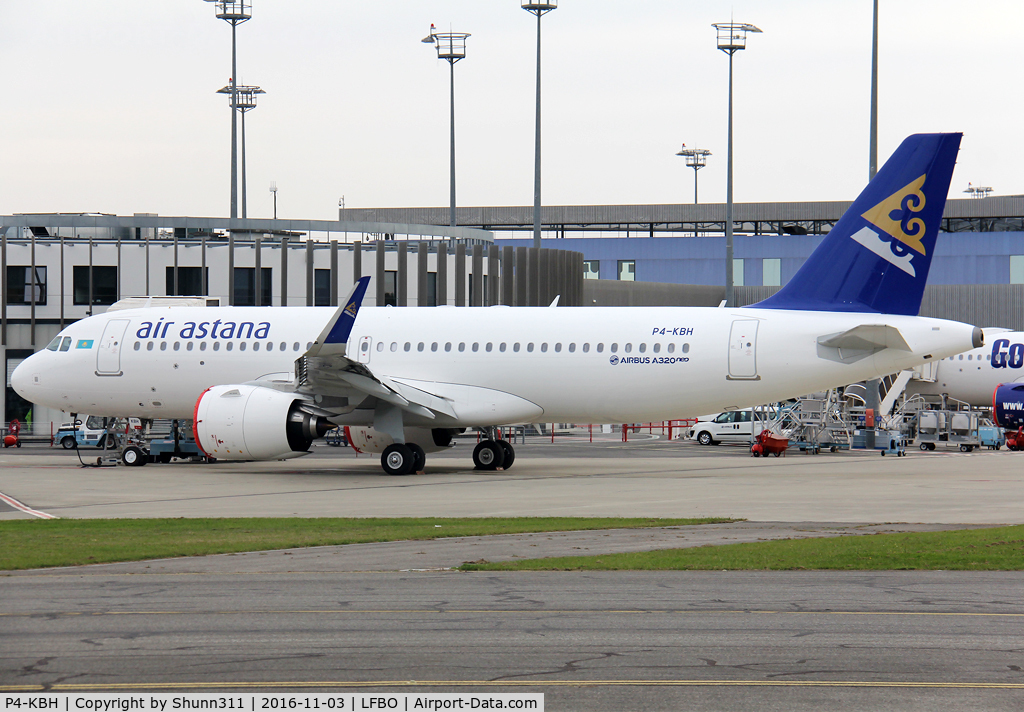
(877, 256)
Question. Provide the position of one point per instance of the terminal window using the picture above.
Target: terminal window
(771, 275)
(245, 287)
(737, 272)
(1016, 269)
(431, 289)
(20, 287)
(104, 284)
(591, 269)
(390, 288)
(322, 288)
(190, 281)
(627, 271)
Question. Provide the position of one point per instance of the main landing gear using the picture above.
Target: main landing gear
(403, 459)
(493, 453)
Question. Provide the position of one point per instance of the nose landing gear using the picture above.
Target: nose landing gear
(493, 453)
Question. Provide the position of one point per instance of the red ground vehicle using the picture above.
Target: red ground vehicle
(1015, 440)
(13, 430)
(768, 444)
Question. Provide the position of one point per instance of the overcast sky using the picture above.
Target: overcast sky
(110, 105)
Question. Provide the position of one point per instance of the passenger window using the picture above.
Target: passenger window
(137, 346)
(241, 345)
(544, 347)
(586, 348)
(723, 418)
(448, 346)
(529, 347)
(969, 357)
(671, 348)
(295, 346)
(462, 346)
(558, 348)
(283, 346)
(502, 347)
(627, 348)
(433, 346)
(380, 346)
(686, 348)
(408, 346)
(188, 346)
(600, 348)
(394, 346)
(52, 346)
(309, 345)
(163, 345)
(216, 346)
(149, 346)
(177, 346)
(476, 346)
(419, 346)
(230, 345)
(657, 348)
(643, 348)
(66, 344)
(488, 347)
(961, 357)
(572, 348)
(515, 347)
(202, 346)
(614, 348)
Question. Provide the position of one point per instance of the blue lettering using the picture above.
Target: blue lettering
(264, 330)
(202, 330)
(190, 328)
(242, 326)
(143, 333)
(1017, 356)
(213, 329)
(226, 331)
(166, 326)
(998, 355)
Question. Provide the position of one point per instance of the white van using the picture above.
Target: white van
(735, 426)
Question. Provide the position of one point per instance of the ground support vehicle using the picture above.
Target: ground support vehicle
(141, 447)
(767, 444)
(1015, 439)
(990, 436)
(949, 427)
(85, 431)
(895, 442)
(11, 436)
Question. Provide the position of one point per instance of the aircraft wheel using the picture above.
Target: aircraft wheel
(778, 454)
(488, 455)
(705, 438)
(510, 453)
(133, 457)
(418, 456)
(68, 442)
(397, 459)
(931, 446)
(923, 446)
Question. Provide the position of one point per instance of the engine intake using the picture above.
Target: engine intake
(1008, 405)
(239, 422)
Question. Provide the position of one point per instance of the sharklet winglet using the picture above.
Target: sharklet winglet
(334, 337)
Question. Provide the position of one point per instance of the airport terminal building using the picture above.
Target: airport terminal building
(591, 255)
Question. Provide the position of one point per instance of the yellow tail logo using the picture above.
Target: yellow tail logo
(350, 309)
(906, 229)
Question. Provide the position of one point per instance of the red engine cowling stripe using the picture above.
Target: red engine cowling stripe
(195, 422)
(348, 437)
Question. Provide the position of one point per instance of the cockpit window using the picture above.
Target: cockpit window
(52, 346)
(66, 344)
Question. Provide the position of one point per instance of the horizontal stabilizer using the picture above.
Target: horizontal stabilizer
(867, 337)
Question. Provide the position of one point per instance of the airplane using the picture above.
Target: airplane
(971, 377)
(262, 383)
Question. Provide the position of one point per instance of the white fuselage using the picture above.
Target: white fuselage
(972, 376)
(595, 364)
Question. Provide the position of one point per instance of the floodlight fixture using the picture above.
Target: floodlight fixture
(696, 158)
(451, 47)
(978, 191)
(234, 13)
(539, 9)
(732, 37)
(243, 99)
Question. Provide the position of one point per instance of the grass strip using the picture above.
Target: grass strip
(31, 544)
(999, 549)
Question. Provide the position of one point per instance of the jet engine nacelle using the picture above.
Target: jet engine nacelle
(236, 422)
(1008, 405)
(365, 439)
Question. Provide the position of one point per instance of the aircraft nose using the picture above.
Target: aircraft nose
(22, 378)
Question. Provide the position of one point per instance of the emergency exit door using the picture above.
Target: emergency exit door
(108, 356)
(743, 350)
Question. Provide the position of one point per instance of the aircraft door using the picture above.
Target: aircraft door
(365, 343)
(743, 350)
(108, 357)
